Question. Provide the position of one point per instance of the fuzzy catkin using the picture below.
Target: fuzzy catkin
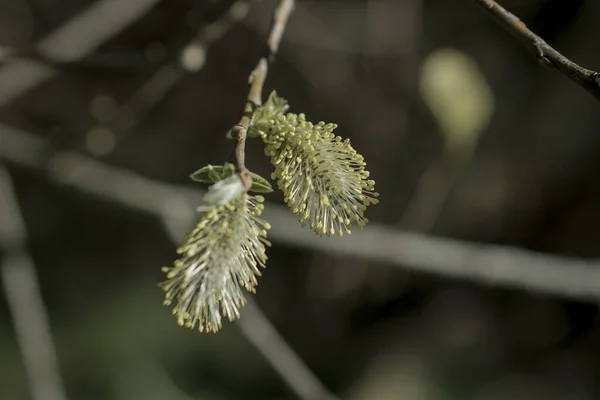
(222, 256)
(323, 178)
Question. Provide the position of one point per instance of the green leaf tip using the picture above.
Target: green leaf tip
(260, 184)
(264, 114)
(217, 173)
(213, 173)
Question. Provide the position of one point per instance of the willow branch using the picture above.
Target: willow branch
(257, 81)
(547, 55)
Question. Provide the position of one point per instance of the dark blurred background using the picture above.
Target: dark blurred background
(466, 135)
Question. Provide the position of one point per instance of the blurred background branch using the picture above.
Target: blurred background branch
(24, 298)
(71, 41)
(262, 334)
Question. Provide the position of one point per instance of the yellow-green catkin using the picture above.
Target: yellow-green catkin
(221, 256)
(323, 178)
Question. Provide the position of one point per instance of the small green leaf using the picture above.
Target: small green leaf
(207, 174)
(275, 105)
(260, 184)
(228, 170)
(273, 108)
(213, 173)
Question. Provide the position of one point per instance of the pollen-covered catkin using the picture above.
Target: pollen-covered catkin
(222, 256)
(323, 178)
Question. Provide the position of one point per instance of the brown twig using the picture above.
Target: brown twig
(256, 81)
(547, 55)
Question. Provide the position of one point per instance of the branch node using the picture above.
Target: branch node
(238, 132)
(541, 56)
(246, 179)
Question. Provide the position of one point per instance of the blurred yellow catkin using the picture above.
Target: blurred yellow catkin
(458, 95)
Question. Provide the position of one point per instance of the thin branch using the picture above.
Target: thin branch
(263, 335)
(280, 18)
(547, 55)
(257, 81)
(25, 301)
(495, 265)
